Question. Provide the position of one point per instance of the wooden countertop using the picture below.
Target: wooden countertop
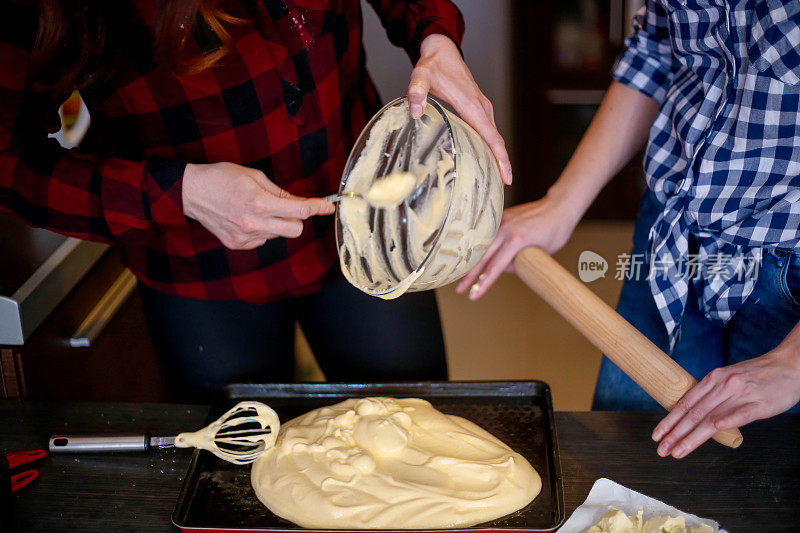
(754, 488)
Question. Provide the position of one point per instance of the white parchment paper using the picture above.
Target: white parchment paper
(606, 494)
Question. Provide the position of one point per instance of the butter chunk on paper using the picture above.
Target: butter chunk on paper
(606, 495)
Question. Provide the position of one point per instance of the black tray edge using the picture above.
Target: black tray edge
(322, 389)
(557, 477)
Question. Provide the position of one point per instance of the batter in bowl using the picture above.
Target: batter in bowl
(434, 186)
(385, 463)
(391, 190)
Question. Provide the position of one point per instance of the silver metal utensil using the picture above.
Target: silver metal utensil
(333, 198)
(107, 443)
(239, 436)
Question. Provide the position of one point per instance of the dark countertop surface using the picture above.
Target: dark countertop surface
(754, 488)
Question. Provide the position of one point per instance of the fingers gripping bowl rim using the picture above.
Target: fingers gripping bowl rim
(443, 228)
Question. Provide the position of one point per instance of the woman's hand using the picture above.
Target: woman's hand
(730, 397)
(441, 71)
(242, 208)
(618, 130)
(546, 223)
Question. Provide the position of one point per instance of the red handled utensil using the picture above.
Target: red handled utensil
(23, 479)
(17, 459)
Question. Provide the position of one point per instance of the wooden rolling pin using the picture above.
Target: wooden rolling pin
(661, 377)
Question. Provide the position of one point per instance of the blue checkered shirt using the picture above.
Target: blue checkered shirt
(724, 150)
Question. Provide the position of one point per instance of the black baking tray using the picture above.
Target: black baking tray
(217, 495)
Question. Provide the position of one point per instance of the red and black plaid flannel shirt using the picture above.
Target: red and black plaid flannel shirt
(289, 100)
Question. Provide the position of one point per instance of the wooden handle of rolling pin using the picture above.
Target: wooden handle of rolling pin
(661, 377)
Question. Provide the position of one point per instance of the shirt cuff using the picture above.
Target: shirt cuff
(163, 185)
(454, 30)
(642, 72)
(139, 196)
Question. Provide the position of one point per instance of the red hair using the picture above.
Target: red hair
(75, 43)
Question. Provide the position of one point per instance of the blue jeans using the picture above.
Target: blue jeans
(767, 316)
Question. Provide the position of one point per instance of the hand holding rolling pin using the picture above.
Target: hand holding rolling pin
(732, 396)
(546, 223)
(724, 400)
(617, 132)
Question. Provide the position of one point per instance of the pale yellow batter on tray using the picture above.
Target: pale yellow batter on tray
(384, 463)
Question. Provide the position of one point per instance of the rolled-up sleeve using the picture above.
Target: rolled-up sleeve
(647, 64)
(408, 22)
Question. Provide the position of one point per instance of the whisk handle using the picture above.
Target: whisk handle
(98, 443)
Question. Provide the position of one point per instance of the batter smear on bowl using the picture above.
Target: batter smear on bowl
(385, 463)
(427, 202)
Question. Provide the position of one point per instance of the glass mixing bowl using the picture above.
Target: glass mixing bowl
(440, 230)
